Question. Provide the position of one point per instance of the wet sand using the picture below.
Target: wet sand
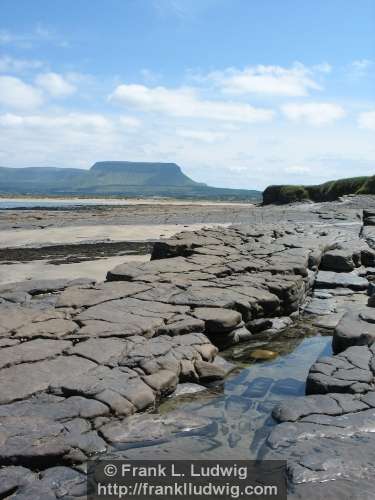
(95, 269)
(77, 251)
(87, 234)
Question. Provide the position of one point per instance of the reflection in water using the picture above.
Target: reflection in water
(242, 406)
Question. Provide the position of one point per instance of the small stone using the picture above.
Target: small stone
(263, 354)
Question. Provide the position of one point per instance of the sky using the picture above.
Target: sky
(239, 93)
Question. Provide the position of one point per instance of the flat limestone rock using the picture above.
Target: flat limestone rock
(93, 383)
(129, 272)
(80, 359)
(20, 321)
(111, 319)
(23, 380)
(34, 287)
(34, 350)
(182, 327)
(218, 320)
(79, 296)
(102, 351)
(55, 408)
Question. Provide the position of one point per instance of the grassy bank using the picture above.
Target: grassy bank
(329, 191)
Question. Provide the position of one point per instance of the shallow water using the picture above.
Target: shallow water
(8, 205)
(241, 409)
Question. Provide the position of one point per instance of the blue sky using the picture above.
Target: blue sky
(240, 93)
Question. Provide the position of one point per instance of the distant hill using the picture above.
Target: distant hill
(114, 178)
(329, 191)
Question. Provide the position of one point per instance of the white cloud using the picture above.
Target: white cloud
(150, 76)
(130, 122)
(55, 85)
(14, 93)
(296, 81)
(5, 37)
(322, 68)
(185, 102)
(362, 64)
(86, 121)
(40, 34)
(297, 169)
(206, 136)
(12, 65)
(367, 120)
(313, 113)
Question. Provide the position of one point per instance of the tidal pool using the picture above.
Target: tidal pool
(241, 407)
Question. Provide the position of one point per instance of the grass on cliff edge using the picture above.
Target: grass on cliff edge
(329, 191)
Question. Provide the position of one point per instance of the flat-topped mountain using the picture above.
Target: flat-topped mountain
(114, 178)
(141, 174)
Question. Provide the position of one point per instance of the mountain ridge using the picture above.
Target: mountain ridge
(114, 178)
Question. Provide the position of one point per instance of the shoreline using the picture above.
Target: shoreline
(118, 201)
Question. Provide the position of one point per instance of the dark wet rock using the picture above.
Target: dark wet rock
(164, 382)
(340, 260)
(279, 324)
(65, 482)
(328, 279)
(15, 478)
(348, 372)
(31, 440)
(79, 436)
(354, 329)
(186, 389)
(328, 321)
(305, 406)
(259, 325)
(367, 315)
(149, 429)
(209, 372)
(15, 297)
(333, 449)
(236, 336)
(319, 306)
(258, 387)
